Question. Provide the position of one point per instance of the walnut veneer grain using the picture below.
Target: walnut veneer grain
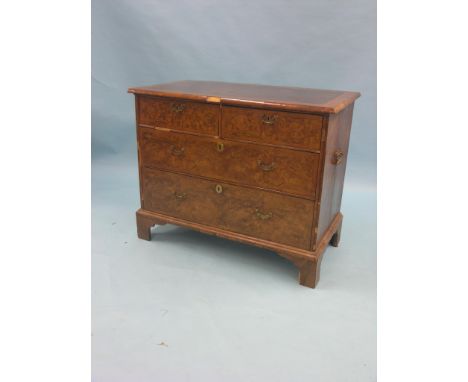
(274, 168)
(259, 164)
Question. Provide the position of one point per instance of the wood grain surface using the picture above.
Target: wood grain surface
(263, 165)
(266, 96)
(289, 171)
(180, 115)
(261, 214)
(274, 127)
(338, 132)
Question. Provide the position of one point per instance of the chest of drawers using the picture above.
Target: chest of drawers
(263, 165)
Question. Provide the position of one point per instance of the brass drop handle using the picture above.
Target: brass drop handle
(269, 119)
(181, 196)
(339, 155)
(219, 189)
(220, 147)
(177, 150)
(266, 166)
(263, 216)
(178, 107)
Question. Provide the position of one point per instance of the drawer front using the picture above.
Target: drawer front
(262, 214)
(289, 171)
(179, 115)
(274, 127)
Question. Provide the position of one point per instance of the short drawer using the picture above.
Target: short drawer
(289, 171)
(180, 115)
(262, 214)
(272, 127)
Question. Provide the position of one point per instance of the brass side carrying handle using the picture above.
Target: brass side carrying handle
(263, 216)
(339, 155)
(219, 189)
(177, 150)
(266, 166)
(181, 196)
(178, 107)
(269, 119)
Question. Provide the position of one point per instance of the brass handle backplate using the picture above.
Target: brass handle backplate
(178, 107)
(219, 189)
(263, 216)
(339, 155)
(266, 166)
(181, 196)
(269, 119)
(177, 150)
(220, 147)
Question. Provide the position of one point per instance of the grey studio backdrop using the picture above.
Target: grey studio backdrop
(190, 307)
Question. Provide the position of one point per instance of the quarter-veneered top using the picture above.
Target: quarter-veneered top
(288, 98)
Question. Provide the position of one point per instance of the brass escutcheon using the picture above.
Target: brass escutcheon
(263, 216)
(178, 107)
(220, 147)
(269, 119)
(266, 166)
(181, 196)
(177, 150)
(219, 188)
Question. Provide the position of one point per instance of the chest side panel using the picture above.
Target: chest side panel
(334, 167)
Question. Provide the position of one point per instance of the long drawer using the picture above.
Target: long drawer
(273, 127)
(180, 115)
(289, 171)
(266, 215)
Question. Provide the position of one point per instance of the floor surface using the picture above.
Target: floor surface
(192, 307)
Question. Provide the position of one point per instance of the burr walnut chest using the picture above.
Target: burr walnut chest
(262, 165)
